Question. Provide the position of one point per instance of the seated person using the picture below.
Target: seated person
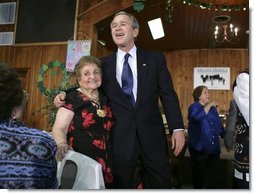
(27, 155)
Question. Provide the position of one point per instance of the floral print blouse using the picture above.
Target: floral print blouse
(90, 130)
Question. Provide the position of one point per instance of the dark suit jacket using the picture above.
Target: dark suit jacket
(145, 118)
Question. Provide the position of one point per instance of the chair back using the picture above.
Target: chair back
(77, 171)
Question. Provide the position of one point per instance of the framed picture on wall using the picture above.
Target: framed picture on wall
(215, 78)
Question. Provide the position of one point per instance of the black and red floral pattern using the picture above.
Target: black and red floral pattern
(89, 133)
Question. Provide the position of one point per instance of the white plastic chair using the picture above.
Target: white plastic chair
(86, 172)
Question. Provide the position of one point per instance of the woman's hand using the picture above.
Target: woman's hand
(215, 104)
(209, 105)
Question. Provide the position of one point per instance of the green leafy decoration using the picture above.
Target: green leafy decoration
(49, 109)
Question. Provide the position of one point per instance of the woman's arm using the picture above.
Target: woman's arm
(196, 112)
(60, 129)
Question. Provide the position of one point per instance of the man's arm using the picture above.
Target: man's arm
(170, 103)
(59, 100)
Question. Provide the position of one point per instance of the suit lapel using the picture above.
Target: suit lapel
(111, 75)
(142, 69)
(112, 72)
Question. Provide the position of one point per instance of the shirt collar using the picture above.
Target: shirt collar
(132, 52)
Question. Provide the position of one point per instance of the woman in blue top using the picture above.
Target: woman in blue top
(205, 130)
(27, 155)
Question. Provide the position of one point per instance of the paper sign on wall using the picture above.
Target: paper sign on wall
(215, 78)
(75, 50)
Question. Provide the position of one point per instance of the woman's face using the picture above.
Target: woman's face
(90, 77)
(204, 97)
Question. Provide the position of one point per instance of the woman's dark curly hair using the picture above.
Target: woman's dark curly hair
(197, 93)
(11, 92)
(83, 61)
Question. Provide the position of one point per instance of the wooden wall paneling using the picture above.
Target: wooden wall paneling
(22, 57)
(32, 58)
(12, 57)
(33, 100)
(27, 54)
(187, 77)
(104, 9)
(95, 14)
(3, 53)
(23, 76)
(182, 63)
(50, 81)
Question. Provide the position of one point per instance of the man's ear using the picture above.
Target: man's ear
(135, 33)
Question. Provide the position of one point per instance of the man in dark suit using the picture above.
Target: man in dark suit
(138, 134)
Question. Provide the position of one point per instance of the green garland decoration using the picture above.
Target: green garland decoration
(49, 109)
(216, 7)
(50, 66)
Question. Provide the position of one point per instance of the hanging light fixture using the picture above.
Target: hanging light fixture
(224, 32)
(227, 33)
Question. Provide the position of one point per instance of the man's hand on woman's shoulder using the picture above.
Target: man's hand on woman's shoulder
(59, 100)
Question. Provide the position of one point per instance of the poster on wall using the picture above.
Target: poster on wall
(215, 78)
(75, 50)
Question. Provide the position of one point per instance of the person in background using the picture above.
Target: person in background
(27, 155)
(241, 162)
(204, 131)
(84, 123)
(134, 79)
(230, 126)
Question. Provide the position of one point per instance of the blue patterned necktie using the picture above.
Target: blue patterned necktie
(127, 79)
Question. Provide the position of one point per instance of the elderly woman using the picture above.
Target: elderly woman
(27, 155)
(85, 121)
(205, 130)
